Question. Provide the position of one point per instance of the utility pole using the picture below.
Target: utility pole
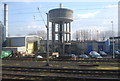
(47, 26)
(113, 40)
(47, 39)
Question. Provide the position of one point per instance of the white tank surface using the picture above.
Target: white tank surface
(60, 14)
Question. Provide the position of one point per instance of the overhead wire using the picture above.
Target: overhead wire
(66, 5)
(45, 11)
(42, 17)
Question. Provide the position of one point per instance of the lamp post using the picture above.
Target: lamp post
(113, 40)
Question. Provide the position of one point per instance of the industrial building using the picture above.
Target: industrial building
(26, 44)
(116, 43)
(78, 47)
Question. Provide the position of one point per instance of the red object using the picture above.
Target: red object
(88, 65)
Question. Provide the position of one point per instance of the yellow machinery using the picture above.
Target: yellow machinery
(31, 47)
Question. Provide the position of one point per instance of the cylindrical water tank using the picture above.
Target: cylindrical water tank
(60, 14)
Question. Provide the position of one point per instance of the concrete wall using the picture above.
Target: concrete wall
(9, 49)
(19, 49)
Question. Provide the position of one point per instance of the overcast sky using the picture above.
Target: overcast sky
(24, 17)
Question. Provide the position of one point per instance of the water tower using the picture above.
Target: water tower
(61, 19)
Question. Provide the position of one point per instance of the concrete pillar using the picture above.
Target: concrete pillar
(63, 44)
(63, 32)
(53, 37)
(69, 32)
(66, 33)
(70, 36)
(60, 32)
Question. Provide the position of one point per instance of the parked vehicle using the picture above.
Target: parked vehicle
(72, 55)
(103, 53)
(83, 56)
(39, 56)
(95, 54)
(117, 52)
(117, 56)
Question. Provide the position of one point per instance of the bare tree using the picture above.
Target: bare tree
(85, 35)
(40, 33)
(76, 35)
(81, 35)
(105, 35)
(32, 33)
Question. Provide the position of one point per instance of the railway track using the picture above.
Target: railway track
(60, 73)
(78, 60)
